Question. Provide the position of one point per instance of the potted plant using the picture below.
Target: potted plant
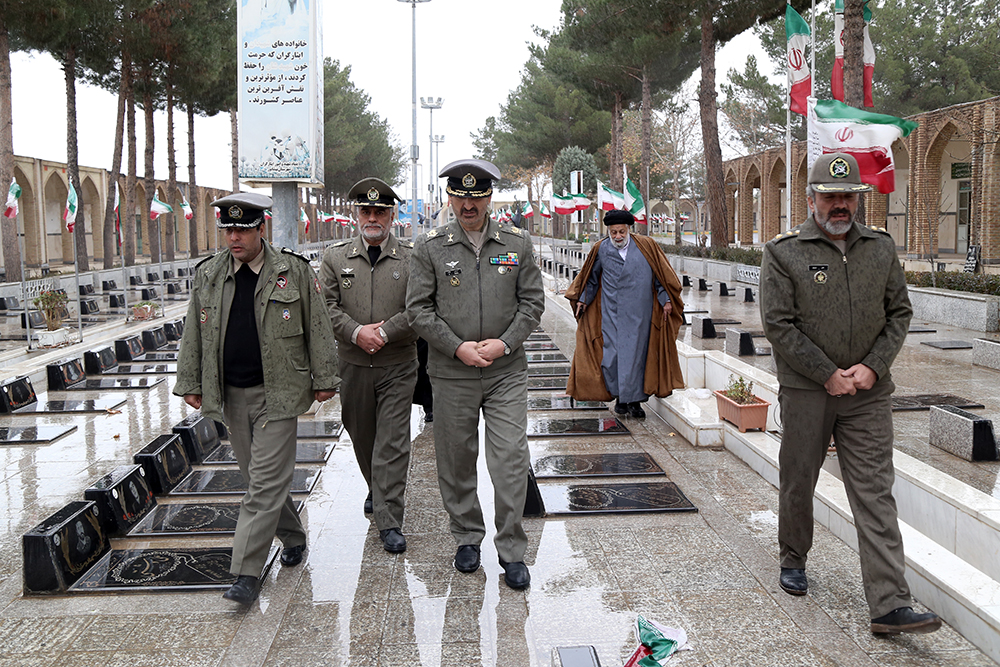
(145, 310)
(52, 305)
(738, 405)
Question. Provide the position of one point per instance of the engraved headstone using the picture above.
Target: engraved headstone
(536, 370)
(543, 426)
(174, 288)
(149, 293)
(89, 306)
(703, 285)
(173, 330)
(107, 285)
(747, 295)
(127, 349)
(230, 482)
(136, 280)
(116, 301)
(154, 339)
(16, 394)
(910, 402)
(35, 318)
(86, 289)
(165, 461)
(59, 550)
(99, 361)
(199, 436)
(153, 277)
(65, 374)
(614, 498)
(123, 497)
(948, 344)
(596, 465)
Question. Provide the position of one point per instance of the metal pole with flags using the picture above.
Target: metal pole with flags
(11, 211)
(69, 215)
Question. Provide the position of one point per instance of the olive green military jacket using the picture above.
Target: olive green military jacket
(358, 294)
(823, 309)
(454, 297)
(296, 342)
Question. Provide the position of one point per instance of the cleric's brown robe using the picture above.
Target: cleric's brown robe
(663, 371)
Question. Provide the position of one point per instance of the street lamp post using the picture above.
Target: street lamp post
(431, 103)
(414, 149)
(438, 139)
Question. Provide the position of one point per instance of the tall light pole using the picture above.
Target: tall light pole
(414, 149)
(431, 103)
(438, 139)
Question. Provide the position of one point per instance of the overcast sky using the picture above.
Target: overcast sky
(468, 53)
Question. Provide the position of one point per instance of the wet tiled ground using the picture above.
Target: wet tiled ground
(712, 573)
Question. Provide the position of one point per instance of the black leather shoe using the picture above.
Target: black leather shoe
(793, 581)
(515, 575)
(244, 591)
(467, 558)
(368, 503)
(621, 408)
(635, 410)
(428, 416)
(905, 620)
(393, 540)
(292, 556)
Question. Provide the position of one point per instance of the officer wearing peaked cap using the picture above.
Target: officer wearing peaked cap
(475, 294)
(834, 305)
(364, 284)
(257, 350)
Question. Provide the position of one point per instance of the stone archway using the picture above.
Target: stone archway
(58, 243)
(93, 211)
(772, 202)
(925, 196)
(747, 205)
(32, 231)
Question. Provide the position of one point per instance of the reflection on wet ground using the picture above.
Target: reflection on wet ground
(712, 572)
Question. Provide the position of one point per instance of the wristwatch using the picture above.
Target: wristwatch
(506, 348)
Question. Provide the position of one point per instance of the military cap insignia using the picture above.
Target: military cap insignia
(372, 194)
(235, 212)
(204, 316)
(281, 282)
(468, 181)
(840, 168)
(286, 315)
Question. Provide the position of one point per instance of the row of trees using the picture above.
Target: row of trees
(164, 55)
(609, 80)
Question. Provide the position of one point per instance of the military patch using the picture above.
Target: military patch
(204, 316)
(497, 235)
(451, 237)
(286, 315)
(451, 265)
(820, 278)
(840, 168)
(455, 282)
(346, 283)
(347, 269)
(514, 229)
(431, 234)
(395, 275)
(506, 259)
(503, 269)
(281, 282)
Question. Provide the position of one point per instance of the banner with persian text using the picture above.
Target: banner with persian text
(280, 91)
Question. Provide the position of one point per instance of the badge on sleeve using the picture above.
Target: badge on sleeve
(281, 282)
(319, 290)
(204, 316)
(285, 315)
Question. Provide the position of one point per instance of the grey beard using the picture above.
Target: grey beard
(836, 228)
(619, 244)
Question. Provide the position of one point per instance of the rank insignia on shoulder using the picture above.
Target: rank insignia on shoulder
(432, 233)
(295, 254)
(514, 229)
(496, 235)
(393, 252)
(395, 275)
(451, 237)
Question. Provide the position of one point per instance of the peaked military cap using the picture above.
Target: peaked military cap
(618, 217)
(242, 209)
(470, 178)
(373, 192)
(837, 172)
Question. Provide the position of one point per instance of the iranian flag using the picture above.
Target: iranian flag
(218, 213)
(158, 208)
(72, 203)
(118, 220)
(267, 214)
(633, 199)
(327, 217)
(12, 196)
(304, 219)
(608, 199)
(799, 77)
(837, 77)
(543, 210)
(835, 127)
(526, 210)
(186, 207)
(581, 201)
(342, 219)
(563, 205)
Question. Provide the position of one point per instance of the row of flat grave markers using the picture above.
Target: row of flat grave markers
(724, 290)
(555, 496)
(72, 550)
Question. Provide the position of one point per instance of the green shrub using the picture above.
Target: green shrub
(977, 283)
(749, 256)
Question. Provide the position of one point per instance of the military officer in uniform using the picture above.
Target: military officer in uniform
(475, 294)
(257, 350)
(364, 283)
(834, 305)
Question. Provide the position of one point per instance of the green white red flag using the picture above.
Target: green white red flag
(563, 205)
(118, 220)
(158, 208)
(186, 207)
(304, 219)
(608, 199)
(837, 76)
(13, 194)
(581, 201)
(633, 199)
(799, 76)
(543, 210)
(69, 214)
(526, 210)
(835, 127)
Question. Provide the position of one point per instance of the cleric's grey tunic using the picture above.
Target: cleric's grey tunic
(626, 309)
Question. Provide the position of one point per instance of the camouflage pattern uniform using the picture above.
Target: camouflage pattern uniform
(456, 296)
(378, 387)
(824, 310)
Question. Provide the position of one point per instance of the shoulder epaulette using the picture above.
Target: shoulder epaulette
(881, 229)
(341, 243)
(435, 233)
(288, 251)
(406, 244)
(792, 233)
(513, 229)
(205, 260)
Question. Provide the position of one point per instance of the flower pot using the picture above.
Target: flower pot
(53, 338)
(743, 417)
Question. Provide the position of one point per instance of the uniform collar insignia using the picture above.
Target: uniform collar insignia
(348, 269)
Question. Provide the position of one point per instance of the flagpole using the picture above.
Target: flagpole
(24, 285)
(76, 275)
(812, 45)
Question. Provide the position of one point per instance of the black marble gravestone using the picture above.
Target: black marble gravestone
(153, 277)
(136, 280)
(319, 429)
(537, 346)
(911, 402)
(614, 498)
(16, 394)
(539, 336)
(596, 465)
(154, 339)
(230, 482)
(541, 357)
(149, 293)
(32, 435)
(537, 371)
(128, 349)
(123, 497)
(948, 344)
(89, 306)
(99, 361)
(116, 301)
(9, 303)
(68, 375)
(305, 452)
(724, 290)
(182, 272)
(562, 402)
(548, 383)
(189, 519)
(65, 373)
(165, 461)
(685, 281)
(173, 330)
(35, 318)
(174, 288)
(747, 295)
(703, 285)
(143, 369)
(86, 289)
(546, 427)
(59, 550)
(168, 274)
(199, 435)
(107, 285)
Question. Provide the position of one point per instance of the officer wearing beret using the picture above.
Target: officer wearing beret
(257, 350)
(475, 294)
(834, 305)
(364, 283)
